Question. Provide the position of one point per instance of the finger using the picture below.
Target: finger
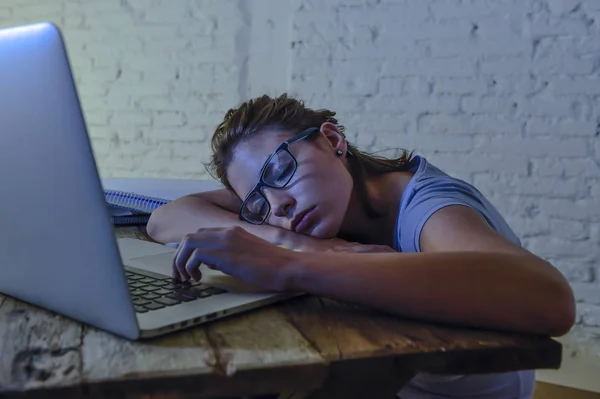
(193, 264)
(185, 250)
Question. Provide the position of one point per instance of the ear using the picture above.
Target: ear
(335, 139)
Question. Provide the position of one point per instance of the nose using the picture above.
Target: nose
(281, 201)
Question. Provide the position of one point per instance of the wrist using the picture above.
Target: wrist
(297, 270)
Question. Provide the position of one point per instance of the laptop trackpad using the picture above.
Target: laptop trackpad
(163, 264)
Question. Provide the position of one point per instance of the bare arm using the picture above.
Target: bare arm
(219, 208)
(467, 274)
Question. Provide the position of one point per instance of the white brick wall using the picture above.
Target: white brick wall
(504, 94)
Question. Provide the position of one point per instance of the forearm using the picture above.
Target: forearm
(500, 291)
(173, 221)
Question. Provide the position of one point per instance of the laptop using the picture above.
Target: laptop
(58, 248)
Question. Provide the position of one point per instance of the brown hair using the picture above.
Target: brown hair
(289, 114)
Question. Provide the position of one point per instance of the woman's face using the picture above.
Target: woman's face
(315, 200)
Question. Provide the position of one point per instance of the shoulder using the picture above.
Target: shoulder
(432, 190)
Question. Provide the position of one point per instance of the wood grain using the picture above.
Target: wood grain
(316, 347)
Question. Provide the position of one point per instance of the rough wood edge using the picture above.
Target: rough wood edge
(546, 354)
(293, 378)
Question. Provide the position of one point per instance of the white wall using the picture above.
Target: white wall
(504, 94)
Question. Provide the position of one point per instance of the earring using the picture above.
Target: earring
(339, 153)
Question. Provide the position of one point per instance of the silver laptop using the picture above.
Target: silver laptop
(58, 249)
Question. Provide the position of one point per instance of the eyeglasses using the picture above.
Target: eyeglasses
(277, 172)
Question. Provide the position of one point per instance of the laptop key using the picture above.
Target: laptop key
(134, 277)
(147, 280)
(167, 301)
(137, 292)
(162, 291)
(154, 306)
(140, 302)
(150, 288)
(136, 284)
(140, 309)
(150, 295)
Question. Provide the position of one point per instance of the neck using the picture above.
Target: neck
(384, 192)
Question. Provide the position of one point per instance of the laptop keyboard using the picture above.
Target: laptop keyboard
(150, 291)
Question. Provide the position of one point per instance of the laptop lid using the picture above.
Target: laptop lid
(57, 245)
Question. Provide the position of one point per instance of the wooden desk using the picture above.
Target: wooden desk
(308, 345)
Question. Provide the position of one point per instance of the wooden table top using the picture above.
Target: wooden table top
(305, 344)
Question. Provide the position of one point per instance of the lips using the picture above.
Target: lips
(299, 221)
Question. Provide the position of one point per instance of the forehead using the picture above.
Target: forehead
(249, 157)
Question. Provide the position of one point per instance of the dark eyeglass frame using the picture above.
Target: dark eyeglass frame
(285, 146)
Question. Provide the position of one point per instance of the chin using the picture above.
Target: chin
(324, 230)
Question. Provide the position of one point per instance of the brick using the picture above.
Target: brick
(389, 104)
(557, 56)
(536, 187)
(446, 67)
(499, 26)
(470, 9)
(560, 106)
(595, 187)
(587, 292)
(507, 65)
(467, 124)
(587, 45)
(362, 84)
(562, 6)
(570, 229)
(515, 85)
(511, 46)
(574, 270)
(558, 27)
(548, 187)
(438, 143)
(578, 85)
(380, 122)
(581, 209)
(130, 118)
(96, 118)
(538, 147)
(560, 167)
(453, 85)
(186, 134)
(410, 85)
(524, 227)
(32, 12)
(559, 127)
(168, 118)
(489, 105)
(590, 314)
(479, 163)
(91, 92)
(553, 247)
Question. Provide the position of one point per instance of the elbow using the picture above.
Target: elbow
(562, 315)
(154, 227)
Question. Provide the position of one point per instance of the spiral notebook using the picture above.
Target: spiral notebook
(128, 208)
(132, 200)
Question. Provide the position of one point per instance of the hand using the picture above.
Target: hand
(361, 248)
(236, 252)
